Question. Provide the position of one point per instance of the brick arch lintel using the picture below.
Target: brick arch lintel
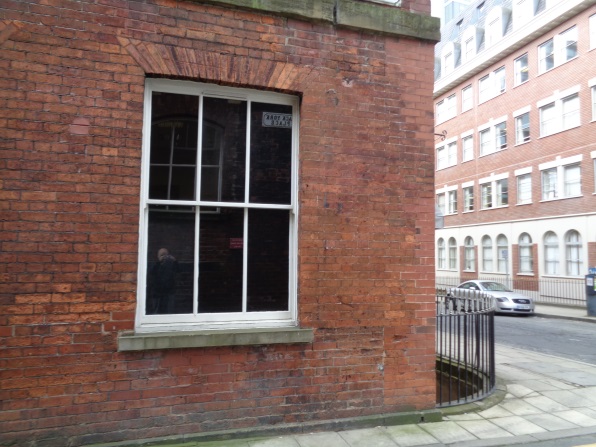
(164, 60)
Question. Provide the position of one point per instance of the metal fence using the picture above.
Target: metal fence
(562, 292)
(465, 346)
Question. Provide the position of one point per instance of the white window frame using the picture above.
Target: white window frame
(492, 136)
(487, 254)
(449, 57)
(492, 85)
(592, 25)
(574, 264)
(551, 253)
(467, 98)
(555, 182)
(467, 146)
(441, 254)
(502, 254)
(494, 26)
(523, 12)
(524, 184)
(447, 200)
(521, 71)
(554, 116)
(555, 50)
(452, 247)
(207, 321)
(447, 108)
(469, 255)
(447, 154)
(525, 254)
(470, 39)
(468, 196)
(521, 119)
(494, 191)
(592, 85)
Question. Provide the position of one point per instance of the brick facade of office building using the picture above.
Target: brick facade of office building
(72, 95)
(565, 214)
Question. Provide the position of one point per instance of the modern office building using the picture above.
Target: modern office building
(515, 104)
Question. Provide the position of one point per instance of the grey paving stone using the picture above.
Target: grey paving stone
(281, 441)
(550, 422)
(464, 417)
(484, 429)
(410, 435)
(519, 407)
(577, 418)
(330, 439)
(547, 385)
(368, 437)
(569, 399)
(498, 411)
(547, 404)
(519, 390)
(517, 425)
(448, 432)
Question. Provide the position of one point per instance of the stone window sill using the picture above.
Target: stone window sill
(131, 341)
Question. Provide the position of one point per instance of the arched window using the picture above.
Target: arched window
(573, 253)
(551, 254)
(526, 260)
(487, 254)
(502, 254)
(469, 255)
(452, 254)
(441, 253)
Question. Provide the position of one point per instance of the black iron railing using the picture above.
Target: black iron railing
(556, 291)
(465, 346)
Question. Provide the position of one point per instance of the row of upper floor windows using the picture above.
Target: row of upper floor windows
(559, 112)
(475, 39)
(552, 53)
(497, 261)
(559, 179)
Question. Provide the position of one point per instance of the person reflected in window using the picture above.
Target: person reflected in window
(162, 284)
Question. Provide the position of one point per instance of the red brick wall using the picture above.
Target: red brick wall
(71, 90)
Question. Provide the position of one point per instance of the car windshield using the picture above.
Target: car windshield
(494, 287)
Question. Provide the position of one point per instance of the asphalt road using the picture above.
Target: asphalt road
(574, 340)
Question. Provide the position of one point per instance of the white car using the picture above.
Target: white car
(507, 300)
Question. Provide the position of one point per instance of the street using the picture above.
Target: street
(570, 339)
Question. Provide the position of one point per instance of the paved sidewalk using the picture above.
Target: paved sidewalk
(546, 398)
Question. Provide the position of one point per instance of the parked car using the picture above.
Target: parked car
(507, 301)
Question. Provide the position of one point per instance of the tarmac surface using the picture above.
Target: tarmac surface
(544, 400)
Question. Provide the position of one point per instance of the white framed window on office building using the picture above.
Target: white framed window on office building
(592, 25)
(526, 254)
(441, 254)
(487, 254)
(446, 108)
(470, 39)
(467, 145)
(491, 85)
(524, 185)
(495, 23)
(521, 118)
(447, 154)
(468, 193)
(551, 253)
(452, 254)
(592, 85)
(217, 230)
(447, 199)
(492, 136)
(557, 50)
(520, 70)
(494, 191)
(502, 254)
(573, 254)
(467, 99)
(561, 179)
(559, 112)
(469, 255)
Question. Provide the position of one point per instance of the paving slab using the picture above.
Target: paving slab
(367, 438)
(577, 418)
(517, 425)
(321, 440)
(484, 429)
(410, 435)
(550, 422)
(448, 432)
(548, 405)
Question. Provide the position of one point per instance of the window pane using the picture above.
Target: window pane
(524, 189)
(270, 153)
(571, 112)
(522, 128)
(173, 151)
(521, 69)
(501, 135)
(569, 44)
(549, 184)
(547, 58)
(548, 120)
(268, 265)
(170, 254)
(224, 147)
(221, 248)
(572, 178)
